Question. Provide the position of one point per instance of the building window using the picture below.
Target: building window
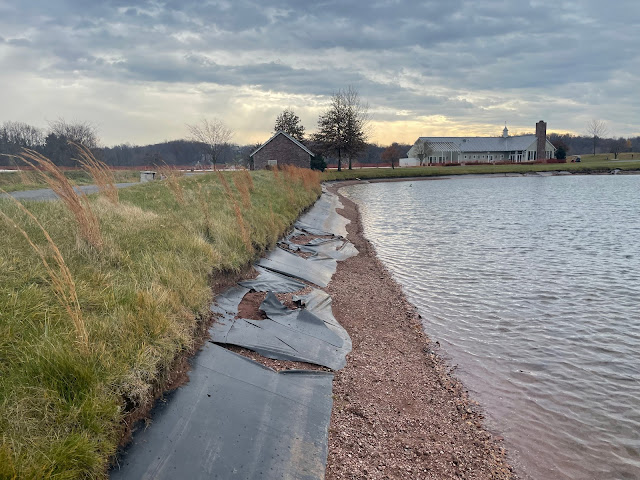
(272, 163)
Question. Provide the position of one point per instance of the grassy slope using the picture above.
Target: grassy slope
(589, 164)
(61, 409)
(19, 181)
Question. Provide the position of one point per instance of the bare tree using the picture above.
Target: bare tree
(213, 136)
(421, 150)
(596, 129)
(344, 128)
(617, 146)
(21, 135)
(289, 122)
(82, 133)
(391, 154)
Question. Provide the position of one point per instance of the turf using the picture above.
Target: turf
(141, 294)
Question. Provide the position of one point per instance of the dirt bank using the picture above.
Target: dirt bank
(397, 411)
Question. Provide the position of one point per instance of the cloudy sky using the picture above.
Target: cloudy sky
(142, 70)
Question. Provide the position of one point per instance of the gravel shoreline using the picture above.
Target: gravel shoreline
(398, 412)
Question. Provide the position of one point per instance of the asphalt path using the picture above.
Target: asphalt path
(46, 194)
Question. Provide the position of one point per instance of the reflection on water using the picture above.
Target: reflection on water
(532, 286)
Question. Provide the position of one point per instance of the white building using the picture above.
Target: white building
(520, 148)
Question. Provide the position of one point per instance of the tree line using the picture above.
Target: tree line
(342, 137)
(585, 144)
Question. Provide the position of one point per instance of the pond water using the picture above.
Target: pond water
(532, 287)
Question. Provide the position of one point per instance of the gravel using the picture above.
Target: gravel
(398, 412)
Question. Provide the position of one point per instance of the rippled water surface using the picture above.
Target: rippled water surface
(532, 286)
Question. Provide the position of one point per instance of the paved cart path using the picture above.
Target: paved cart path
(46, 194)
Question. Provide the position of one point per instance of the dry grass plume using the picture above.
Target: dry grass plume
(102, 175)
(76, 202)
(240, 181)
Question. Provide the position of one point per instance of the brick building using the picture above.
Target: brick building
(281, 149)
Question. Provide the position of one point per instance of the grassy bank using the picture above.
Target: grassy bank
(590, 164)
(71, 370)
(28, 180)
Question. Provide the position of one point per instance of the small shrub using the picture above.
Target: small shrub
(318, 163)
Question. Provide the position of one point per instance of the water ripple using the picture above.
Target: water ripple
(532, 286)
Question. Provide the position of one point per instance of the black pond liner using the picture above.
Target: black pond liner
(318, 302)
(226, 304)
(336, 248)
(235, 419)
(317, 269)
(268, 281)
(296, 335)
(322, 219)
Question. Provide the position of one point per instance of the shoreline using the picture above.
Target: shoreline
(398, 412)
(542, 173)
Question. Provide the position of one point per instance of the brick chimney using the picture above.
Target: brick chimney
(541, 135)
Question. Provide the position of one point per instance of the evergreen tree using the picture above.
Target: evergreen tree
(289, 122)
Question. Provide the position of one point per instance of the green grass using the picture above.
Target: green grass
(589, 164)
(141, 295)
(15, 181)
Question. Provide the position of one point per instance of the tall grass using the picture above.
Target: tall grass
(241, 184)
(76, 202)
(102, 175)
(242, 226)
(26, 178)
(283, 179)
(247, 179)
(141, 298)
(61, 279)
(172, 179)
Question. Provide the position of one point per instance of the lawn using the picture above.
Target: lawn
(601, 163)
(86, 337)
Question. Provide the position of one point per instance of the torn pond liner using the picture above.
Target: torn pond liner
(296, 335)
(236, 418)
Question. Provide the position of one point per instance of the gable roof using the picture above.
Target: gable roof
(280, 132)
(480, 144)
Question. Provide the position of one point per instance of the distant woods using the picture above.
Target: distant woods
(55, 143)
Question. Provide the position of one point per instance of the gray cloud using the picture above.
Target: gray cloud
(461, 59)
